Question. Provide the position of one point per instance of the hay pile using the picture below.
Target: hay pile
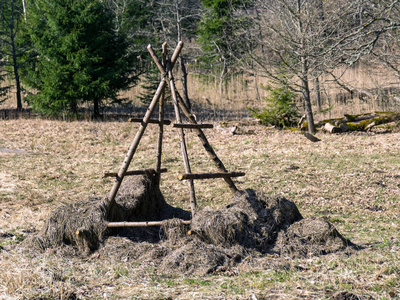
(84, 224)
(252, 220)
(251, 226)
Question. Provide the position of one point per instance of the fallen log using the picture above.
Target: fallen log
(362, 122)
(332, 128)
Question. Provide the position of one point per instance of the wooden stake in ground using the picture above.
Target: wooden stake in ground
(193, 204)
(161, 118)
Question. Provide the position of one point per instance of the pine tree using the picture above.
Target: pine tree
(79, 56)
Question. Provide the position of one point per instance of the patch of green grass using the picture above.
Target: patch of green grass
(120, 271)
(280, 276)
(197, 282)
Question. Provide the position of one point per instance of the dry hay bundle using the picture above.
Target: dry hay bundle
(194, 258)
(252, 220)
(174, 230)
(311, 237)
(84, 223)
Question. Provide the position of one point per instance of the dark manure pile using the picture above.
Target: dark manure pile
(253, 226)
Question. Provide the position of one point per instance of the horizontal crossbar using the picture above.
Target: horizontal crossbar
(209, 175)
(142, 224)
(152, 121)
(194, 126)
(136, 172)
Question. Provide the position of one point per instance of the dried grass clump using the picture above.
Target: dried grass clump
(174, 230)
(194, 258)
(252, 220)
(311, 237)
(344, 295)
(83, 224)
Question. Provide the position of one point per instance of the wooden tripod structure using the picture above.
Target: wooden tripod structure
(165, 66)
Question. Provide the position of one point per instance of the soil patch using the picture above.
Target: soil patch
(252, 225)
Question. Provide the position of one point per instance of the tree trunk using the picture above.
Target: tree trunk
(304, 77)
(15, 64)
(17, 81)
(258, 97)
(307, 98)
(332, 128)
(24, 8)
(358, 122)
(96, 109)
(184, 82)
(318, 94)
(221, 81)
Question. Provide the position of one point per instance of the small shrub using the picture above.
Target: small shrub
(281, 110)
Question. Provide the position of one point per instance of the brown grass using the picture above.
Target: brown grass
(353, 180)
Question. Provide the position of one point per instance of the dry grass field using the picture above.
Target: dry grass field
(352, 180)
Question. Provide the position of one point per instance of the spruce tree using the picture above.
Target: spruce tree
(79, 56)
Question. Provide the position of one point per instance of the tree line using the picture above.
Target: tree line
(61, 54)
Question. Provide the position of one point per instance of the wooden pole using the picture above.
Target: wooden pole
(142, 224)
(136, 172)
(185, 158)
(193, 126)
(161, 66)
(218, 163)
(161, 118)
(210, 175)
(134, 145)
(151, 121)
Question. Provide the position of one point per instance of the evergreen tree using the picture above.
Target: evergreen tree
(80, 56)
(10, 49)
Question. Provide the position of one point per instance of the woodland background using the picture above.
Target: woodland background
(62, 58)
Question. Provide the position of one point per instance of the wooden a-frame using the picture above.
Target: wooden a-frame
(165, 66)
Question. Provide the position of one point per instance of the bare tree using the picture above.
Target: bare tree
(386, 51)
(305, 39)
(176, 20)
(300, 42)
